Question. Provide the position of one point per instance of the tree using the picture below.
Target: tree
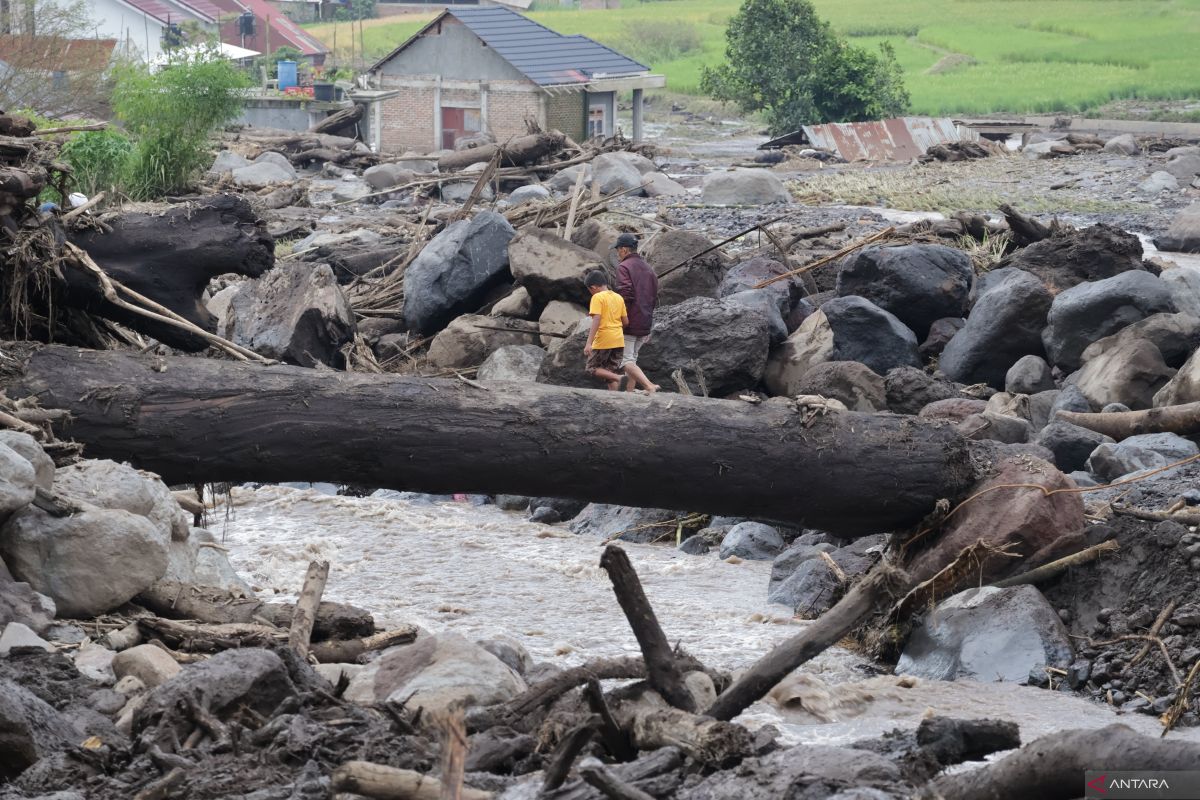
(170, 114)
(785, 61)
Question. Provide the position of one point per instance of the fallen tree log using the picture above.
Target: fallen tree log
(1181, 419)
(195, 420)
(518, 152)
(339, 120)
(170, 257)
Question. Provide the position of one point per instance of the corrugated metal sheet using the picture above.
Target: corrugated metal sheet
(887, 140)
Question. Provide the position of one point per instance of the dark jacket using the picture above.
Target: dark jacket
(637, 283)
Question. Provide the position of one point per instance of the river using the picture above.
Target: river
(483, 572)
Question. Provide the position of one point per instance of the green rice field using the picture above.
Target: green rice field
(959, 56)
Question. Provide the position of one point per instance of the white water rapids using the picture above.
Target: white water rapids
(483, 572)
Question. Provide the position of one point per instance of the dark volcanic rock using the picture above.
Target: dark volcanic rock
(919, 283)
(1071, 258)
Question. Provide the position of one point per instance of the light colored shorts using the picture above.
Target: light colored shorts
(633, 346)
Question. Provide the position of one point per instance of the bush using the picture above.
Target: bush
(97, 160)
(171, 114)
(783, 60)
(658, 41)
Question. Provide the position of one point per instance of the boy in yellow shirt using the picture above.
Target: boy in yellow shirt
(606, 340)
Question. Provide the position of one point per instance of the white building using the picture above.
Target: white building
(141, 27)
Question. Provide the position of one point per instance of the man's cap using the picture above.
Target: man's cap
(626, 240)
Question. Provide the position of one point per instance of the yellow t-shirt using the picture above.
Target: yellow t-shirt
(610, 307)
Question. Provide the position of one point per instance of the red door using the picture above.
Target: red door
(452, 126)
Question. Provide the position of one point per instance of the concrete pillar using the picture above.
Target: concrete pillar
(637, 115)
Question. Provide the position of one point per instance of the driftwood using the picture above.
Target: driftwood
(339, 120)
(194, 420)
(305, 613)
(1053, 767)
(1025, 230)
(517, 152)
(609, 784)
(710, 741)
(1181, 419)
(391, 783)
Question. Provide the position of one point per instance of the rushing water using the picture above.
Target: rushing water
(484, 572)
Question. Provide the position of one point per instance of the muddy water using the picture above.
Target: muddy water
(484, 572)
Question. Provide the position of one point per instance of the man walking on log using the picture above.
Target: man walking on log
(638, 285)
(605, 342)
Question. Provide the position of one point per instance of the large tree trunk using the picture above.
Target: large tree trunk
(518, 152)
(195, 420)
(170, 257)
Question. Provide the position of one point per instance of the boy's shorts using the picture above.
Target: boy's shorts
(605, 359)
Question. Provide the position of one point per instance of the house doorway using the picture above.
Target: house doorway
(459, 123)
(597, 122)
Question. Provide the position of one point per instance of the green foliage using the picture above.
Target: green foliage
(355, 9)
(170, 115)
(658, 40)
(97, 159)
(785, 61)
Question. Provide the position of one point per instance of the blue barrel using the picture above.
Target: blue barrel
(287, 74)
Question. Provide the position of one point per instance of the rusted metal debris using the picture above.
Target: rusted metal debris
(898, 139)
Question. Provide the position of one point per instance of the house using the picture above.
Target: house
(54, 75)
(489, 69)
(272, 29)
(143, 29)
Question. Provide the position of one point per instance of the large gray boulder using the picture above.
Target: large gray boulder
(628, 523)
(612, 174)
(701, 276)
(464, 343)
(918, 283)
(385, 176)
(514, 362)
(759, 301)
(296, 313)
(28, 448)
(1183, 234)
(744, 187)
(1108, 462)
(550, 267)
(743, 277)
(812, 586)
(20, 603)
(726, 343)
(199, 561)
(853, 383)
(529, 193)
(1184, 387)
(436, 673)
(1030, 375)
(455, 272)
(107, 484)
(261, 175)
(1130, 372)
(987, 634)
(752, 541)
(226, 162)
(806, 772)
(30, 730)
(1184, 283)
(1184, 164)
(1090, 311)
(659, 185)
(1073, 257)
(18, 482)
(1070, 444)
(1175, 335)
(1005, 324)
(1125, 144)
(564, 364)
(910, 390)
(843, 329)
(560, 318)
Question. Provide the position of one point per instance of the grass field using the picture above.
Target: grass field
(959, 56)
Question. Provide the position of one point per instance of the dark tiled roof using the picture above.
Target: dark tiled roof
(544, 56)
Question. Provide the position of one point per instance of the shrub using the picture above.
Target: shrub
(171, 114)
(97, 160)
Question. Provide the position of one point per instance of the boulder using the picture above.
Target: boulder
(1183, 234)
(350, 188)
(613, 174)
(516, 303)
(806, 772)
(296, 313)
(1175, 335)
(226, 162)
(30, 729)
(628, 523)
(752, 541)
(436, 673)
(563, 508)
(659, 185)
(529, 193)
(668, 249)
(18, 482)
(20, 603)
(790, 559)
(1184, 165)
(601, 239)
(743, 277)
(151, 665)
(560, 317)
(1184, 283)
(1041, 407)
(456, 271)
(1158, 182)
(458, 192)
(996, 427)
(1090, 311)
(940, 334)
(196, 562)
(464, 344)
(760, 302)
(1184, 387)
(564, 364)
(853, 383)
(17, 634)
(107, 484)
(1111, 461)
(261, 175)
(987, 634)
(550, 267)
(1021, 520)
(1030, 375)
(1130, 373)
(385, 176)
(744, 187)
(643, 165)
(28, 448)
(1124, 145)
(278, 159)
(87, 563)
(918, 283)
(726, 344)
(909, 390)
(1070, 444)
(1073, 257)
(1005, 324)
(516, 362)
(1071, 399)
(813, 587)
(564, 179)
(955, 409)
